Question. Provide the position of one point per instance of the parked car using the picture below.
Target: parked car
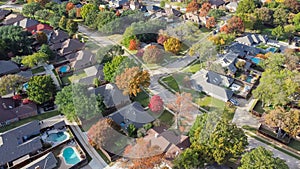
(49, 108)
(234, 102)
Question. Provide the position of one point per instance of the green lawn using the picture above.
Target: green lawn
(195, 67)
(38, 70)
(75, 76)
(258, 108)
(29, 119)
(142, 98)
(295, 144)
(211, 104)
(65, 79)
(171, 83)
(166, 118)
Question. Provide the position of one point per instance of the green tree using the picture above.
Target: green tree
(87, 9)
(216, 13)
(34, 59)
(264, 15)
(103, 18)
(31, 8)
(107, 53)
(42, 14)
(296, 21)
(131, 130)
(64, 101)
(9, 83)
(162, 4)
(41, 89)
(17, 59)
(46, 49)
(96, 82)
(14, 39)
(188, 159)
(63, 22)
(280, 16)
(90, 19)
(72, 13)
(54, 21)
(278, 31)
(110, 68)
(72, 27)
(261, 158)
(247, 6)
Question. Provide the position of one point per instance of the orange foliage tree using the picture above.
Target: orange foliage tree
(210, 22)
(132, 80)
(161, 39)
(172, 45)
(69, 6)
(205, 9)
(193, 6)
(133, 44)
(235, 25)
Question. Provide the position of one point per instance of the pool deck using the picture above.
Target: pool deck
(45, 136)
(63, 164)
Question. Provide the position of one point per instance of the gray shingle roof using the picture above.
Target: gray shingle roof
(58, 36)
(12, 18)
(112, 95)
(210, 83)
(4, 13)
(83, 58)
(216, 2)
(26, 23)
(69, 46)
(92, 73)
(8, 67)
(133, 113)
(47, 161)
(14, 143)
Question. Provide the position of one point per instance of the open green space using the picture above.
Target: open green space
(29, 119)
(166, 118)
(142, 98)
(171, 83)
(195, 67)
(71, 78)
(38, 70)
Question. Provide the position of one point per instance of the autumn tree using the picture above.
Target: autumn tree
(182, 106)
(172, 45)
(161, 39)
(72, 27)
(69, 6)
(210, 22)
(264, 15)
(261, 158)
(289, 121)
(235, 25)
(193, 6)
(41, 37)
(291, 59)
(41, 89)
(153, 54)
(103, 132)
(293, 5)
(278, 31)
(42, 2)
(205, 9)
(133, 44)
(9, 83)
(156, 104)
(132, 80)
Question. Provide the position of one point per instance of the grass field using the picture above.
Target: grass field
(29, 119)
(38, 70)
(142, 98)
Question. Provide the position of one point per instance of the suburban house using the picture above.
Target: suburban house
(228, 62)
(47, 161)
(92, 72)
(212, 84)
(232, 6)
(81, 59)
(12, 18)
(57, 36)
(244, 50)
(134, 5)
(26, 23)
(171, 11)
(215, 4)
(192, 17)
(133, 113)
(117, 3)
(12, 110)
(252, 39)
(4, 13)
(112, 95)
(26, 74)
(22, 141)
(70, 46)
(38, 27)
(8, 67)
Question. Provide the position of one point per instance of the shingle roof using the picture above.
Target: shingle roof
(12, 18)
(133, 113)
(4, 13)
(14, 143)
(92, 72)
(58, 36)
(83, 58)
(47, 161)
(216, 2)
(26, 23)
(70, 45)
(210, 83)
(7, 67)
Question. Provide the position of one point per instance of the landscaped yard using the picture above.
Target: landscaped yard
(29, 119)
(38, 70)
(258, 108)
(142, 98)
(295, 144)
(171, 83)
(195, 67)
(166, 118)
(71, 78)
(91, 46)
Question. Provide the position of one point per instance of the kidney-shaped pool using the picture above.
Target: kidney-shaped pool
(70, 156)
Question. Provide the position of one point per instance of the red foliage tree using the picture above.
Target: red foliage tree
(140, 52)
(210, 22)
(118, 13)
(161, 39)
(69, 6)
(153, 54)
(133, 44)
(224, 29)
(193, 6)
(205, 9)
(235, 25)
(156, 104)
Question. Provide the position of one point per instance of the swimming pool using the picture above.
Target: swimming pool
(57, 137)
(25, 86)
(70, 156)
(64, 69)
(272, 49)
(249, 78)
(255, 60)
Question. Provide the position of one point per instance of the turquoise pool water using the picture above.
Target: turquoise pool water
(255, 60)
(70, 156)
(272, 49)
(64, 69)
(249, 78)
(57, 137)
(25, 86)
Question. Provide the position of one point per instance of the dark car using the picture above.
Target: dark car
(234, 102)
(49, 108)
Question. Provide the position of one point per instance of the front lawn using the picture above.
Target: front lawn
(195, 67)
(29, 119)
(38, 70)
(211, 104)
(295, 144)
(77, 76)
(166, 118)
(171, 83)
(142, 98)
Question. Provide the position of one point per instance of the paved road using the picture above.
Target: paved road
(292, 162)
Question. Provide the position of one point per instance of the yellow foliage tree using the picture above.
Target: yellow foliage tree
(172, 45)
